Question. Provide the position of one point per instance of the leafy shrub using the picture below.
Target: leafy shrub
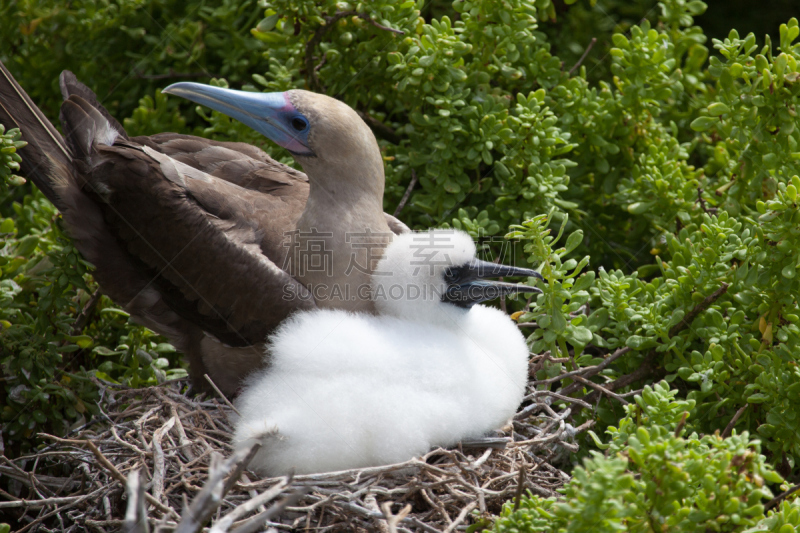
(718, 309)
(653, 478)
(9, 158)
(57, 333)
(127, 48)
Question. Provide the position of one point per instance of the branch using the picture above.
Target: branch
(681, 424)
(699, 308)
(136, 513)
(407, 194)
(461, 516)
(257, 522)
(649, 366)
(254, 503)
(364, 16)
(319, 33)
(592, 370)
(780, 497)
(601, 389)
(520, 487)
(380, 129)
(116, 474)
(394, 519)
(732, 423)
(224, 398)
(210, 496)
(585, 53)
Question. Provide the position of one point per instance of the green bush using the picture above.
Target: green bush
(653, 478)
(56, 332)
(9, 158)
(127, 48)
(718, 309)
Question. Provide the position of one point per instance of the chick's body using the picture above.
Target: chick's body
(349, 390)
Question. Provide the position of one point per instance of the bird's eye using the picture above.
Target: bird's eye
(299, 123)
(452, 275)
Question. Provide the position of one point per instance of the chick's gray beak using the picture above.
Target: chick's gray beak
(468, 285)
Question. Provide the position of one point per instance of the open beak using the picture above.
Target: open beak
(471, 285)
(267, 113)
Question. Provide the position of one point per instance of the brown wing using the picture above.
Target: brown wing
(204, 240)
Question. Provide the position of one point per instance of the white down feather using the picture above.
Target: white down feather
(346, 390)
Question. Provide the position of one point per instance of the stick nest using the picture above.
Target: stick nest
(154, 461)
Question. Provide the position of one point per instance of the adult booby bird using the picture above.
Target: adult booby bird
(189, 234)
(349, 390)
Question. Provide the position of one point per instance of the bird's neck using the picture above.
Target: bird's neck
(343, 223)
(343, 186)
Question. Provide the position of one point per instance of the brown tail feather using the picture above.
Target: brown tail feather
(85, 127)
(71, 86)
(46, 157)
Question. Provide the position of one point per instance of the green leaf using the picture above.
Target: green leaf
(703, 123)
(584, 282)
(115, 311)
(757, 398)
(638, 208)
(579, 336)
(573, 240)
(84, 341)
(597, 442)
(269, 37)
(638, 342)
(620, 41)
(164, 348)
(268, 23)
(103, 351)
(716, 109)
(559, 322)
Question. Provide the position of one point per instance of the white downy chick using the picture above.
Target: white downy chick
(348, 390)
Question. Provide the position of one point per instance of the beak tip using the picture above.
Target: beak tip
(181, 88)
(173, 89)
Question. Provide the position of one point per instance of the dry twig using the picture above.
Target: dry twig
(407, 194)
(176, 443)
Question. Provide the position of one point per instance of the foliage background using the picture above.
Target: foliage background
(653, 182)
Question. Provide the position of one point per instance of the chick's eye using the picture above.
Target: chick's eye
(452, 275)
(299, 124)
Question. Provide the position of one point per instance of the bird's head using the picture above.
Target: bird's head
(433, 274)
(320, 132)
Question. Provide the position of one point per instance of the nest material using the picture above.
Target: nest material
(156, 450)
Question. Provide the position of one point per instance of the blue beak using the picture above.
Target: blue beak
(271, 114)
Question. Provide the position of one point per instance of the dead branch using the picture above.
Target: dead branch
(165, 451)
(583, 56)
(136, 513)
(224, 398)
(732, 423)
(406, 194)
